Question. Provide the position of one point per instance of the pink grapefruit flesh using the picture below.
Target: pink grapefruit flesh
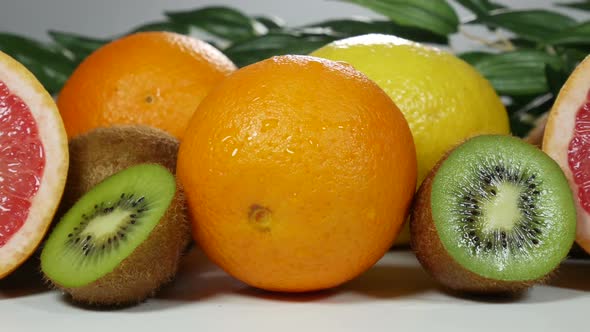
(23, 162)
(579, 155)
(567, 141)
(33, 163)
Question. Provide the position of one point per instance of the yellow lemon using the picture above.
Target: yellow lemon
(444, 99)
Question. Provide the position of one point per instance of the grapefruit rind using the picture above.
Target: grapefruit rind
(53, 137)
(559, 132)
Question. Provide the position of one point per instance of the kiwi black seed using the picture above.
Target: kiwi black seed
(495, 215)
(122, 240)
(102, 152)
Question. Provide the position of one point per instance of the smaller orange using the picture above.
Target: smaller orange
(151, 78)
(298, 172)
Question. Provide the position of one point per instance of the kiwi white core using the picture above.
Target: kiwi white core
(502, 211)
(102, 226)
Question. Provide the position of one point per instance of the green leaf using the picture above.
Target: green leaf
(343, 28)
(582, 5)
(556, 77)
(479, 7)
(474, 57)
(223, 22)
(578, 34)
(435, 16)
(51, 67)
(521, 43)
(525, 111)
(253, 50)
(270, 22)
(572, 57)
(535, 25)
(75, 46)
(183, 29)
(517, 73)
(163, 26)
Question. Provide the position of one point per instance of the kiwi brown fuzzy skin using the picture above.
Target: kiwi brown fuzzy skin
(153, 263)
(435, 259)
(102, 152)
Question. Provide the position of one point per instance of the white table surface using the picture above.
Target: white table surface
(395, 295)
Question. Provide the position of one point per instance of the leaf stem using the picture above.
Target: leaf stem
(509, 46)
(502, 44)
(550, 49)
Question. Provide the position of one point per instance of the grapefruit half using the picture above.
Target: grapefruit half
(33, 163)
(567, 141)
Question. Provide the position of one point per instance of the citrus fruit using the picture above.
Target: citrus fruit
(151, 78)
(298, 173)
(33, 163)
(567, 141)
(444, 99)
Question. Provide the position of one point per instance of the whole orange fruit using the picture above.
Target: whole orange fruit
(298, 172)
(151, 78)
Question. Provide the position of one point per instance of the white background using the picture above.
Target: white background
(105, 18)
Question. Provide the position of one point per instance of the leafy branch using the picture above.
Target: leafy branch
(527, 62)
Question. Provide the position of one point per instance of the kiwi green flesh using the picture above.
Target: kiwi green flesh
(503, 209)
(107, 224)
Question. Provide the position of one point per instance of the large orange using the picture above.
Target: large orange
(151, 78)
(298, 172)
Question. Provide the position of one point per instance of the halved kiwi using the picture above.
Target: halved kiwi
(121, 240)
(103, 152)
(495, 215)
